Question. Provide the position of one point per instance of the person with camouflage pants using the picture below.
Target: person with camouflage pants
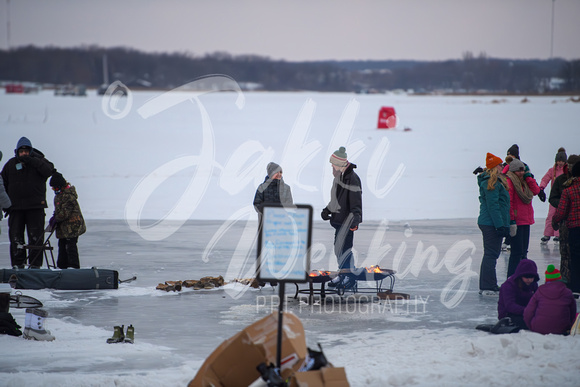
(68, 221)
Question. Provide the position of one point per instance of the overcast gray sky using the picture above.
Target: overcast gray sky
(297, 30)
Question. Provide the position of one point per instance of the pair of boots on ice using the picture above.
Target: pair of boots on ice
(120, 337)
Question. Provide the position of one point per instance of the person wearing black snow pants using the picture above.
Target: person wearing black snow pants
(569, 211)
(25, 178)
(344, 213)
(67, 220)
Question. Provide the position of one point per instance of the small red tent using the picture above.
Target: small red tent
(387, 118)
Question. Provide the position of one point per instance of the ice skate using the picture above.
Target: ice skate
(490, 292)
(118, 335)
(544, 240)
(34, 325)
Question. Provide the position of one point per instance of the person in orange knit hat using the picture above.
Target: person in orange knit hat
(493, 220)
(552, 308)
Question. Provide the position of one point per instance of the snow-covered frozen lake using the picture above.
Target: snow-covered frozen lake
(162, 176)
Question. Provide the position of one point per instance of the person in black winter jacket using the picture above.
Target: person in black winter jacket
(272, 191)
(560, 184)
(25, 178)
(344, 213)
(5, 202)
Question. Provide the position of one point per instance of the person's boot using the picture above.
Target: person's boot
(34, 325)
(118, 335)
(130, 336)
(335, 281)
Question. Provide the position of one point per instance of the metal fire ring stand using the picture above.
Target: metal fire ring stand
(366, 276)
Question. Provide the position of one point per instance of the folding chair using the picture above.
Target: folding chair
(44, 248)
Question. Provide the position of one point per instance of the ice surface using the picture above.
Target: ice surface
(429, 340)
(422, 341)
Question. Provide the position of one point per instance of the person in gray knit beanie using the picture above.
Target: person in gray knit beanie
(273, 190)
(273, 169)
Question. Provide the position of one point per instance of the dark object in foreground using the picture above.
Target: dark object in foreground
(505, 325)
(66, 279)
(271, 375)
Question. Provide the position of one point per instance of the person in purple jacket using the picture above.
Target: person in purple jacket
(552, 309)
(516, 292)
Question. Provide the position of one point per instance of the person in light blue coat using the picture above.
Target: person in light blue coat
(493, 220)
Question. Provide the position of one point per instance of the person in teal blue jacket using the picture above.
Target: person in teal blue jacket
(493, 220)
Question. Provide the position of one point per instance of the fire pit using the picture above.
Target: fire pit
(317, 277)
(372, 273)
(322, 277)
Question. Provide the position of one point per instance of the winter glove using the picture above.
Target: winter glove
(325, 214)
(555, 226)
(503, 232)
(51, 224)
(477, 170)
(513, 230)
(542, 195)
(31, 161)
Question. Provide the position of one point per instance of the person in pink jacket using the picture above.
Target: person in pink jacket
(549, 178)
(552, 308)
(522, 188)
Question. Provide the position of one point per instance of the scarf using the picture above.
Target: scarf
(569, 182)
(503, 180)
(521, 187)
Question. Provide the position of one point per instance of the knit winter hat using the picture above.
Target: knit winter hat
(273, 169)
(514, 150)
(561, 155)
(57, 180)
(339, 157)
(553, 274)
(517, 166)
(492, 161)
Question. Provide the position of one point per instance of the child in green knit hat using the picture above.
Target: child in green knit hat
(552, 308)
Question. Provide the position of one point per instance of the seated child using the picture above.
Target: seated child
(516, 291)
(552, 309)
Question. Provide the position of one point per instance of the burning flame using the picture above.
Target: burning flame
(374, 269)
(316, 273)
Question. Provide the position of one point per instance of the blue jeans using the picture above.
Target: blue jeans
(343, 241)
(491, 252)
